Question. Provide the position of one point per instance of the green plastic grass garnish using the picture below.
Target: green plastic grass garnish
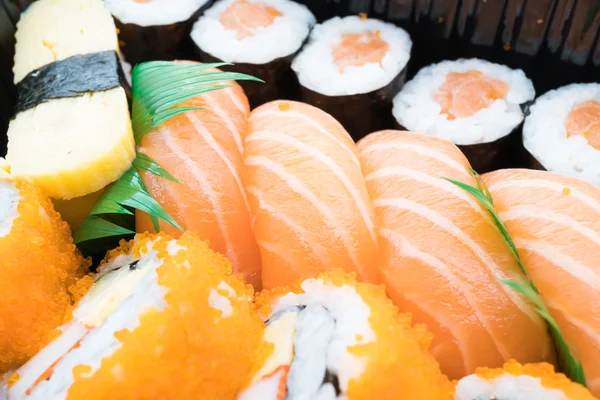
(569, 364)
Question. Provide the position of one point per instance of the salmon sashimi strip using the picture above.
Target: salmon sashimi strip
(203, 150)
(310, 207)
(465, 93)
(245, 17)
(441, 256)
(584, 120)
(358, 49)
(554, 221)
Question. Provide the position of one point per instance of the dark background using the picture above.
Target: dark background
(556, 42)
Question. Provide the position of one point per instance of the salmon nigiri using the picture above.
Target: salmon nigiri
(554, 221)
(441, 256)
(203, 150)
(310, 207)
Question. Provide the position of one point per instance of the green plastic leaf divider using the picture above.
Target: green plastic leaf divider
(570, 365)
(158, 88)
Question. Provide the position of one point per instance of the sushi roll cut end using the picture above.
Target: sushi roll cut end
(467, 101)
(162, 320)
(520, 382)
(351, 55)
(332, 337)
(252, 31)
(40, 267)
(562, 133)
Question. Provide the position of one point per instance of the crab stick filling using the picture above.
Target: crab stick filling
(584, 120)
(465, 93)
(245, 17)
(115, 283)
(358, 49)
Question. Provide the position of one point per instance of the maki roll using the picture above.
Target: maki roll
(351, 68)
(39, 265)
(163, 319)
(154, 29)
(473, 103)
(72, 134)
(260, 36)
(562, 133)
(334, 338)
(520, 382)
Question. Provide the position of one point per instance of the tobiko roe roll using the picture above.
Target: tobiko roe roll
(203, 149)
(154, 29)
(260, 37)
(520, 382)
(351, 68)
(554, 221)
(562, 133)
(72, 133)
(309, 204)
(442, 257)
(331, 337)
(39, 264)
(164, 319)
(473, 103)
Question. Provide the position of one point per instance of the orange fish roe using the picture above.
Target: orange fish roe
(245, 17)
(358, 49)
(549, 378)
(399, 365)
(465, 93)
(38, 263)
(189, 349)
(584, 120)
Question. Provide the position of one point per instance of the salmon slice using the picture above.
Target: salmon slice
(245, 17)
(358, 49)
(203, 150)
(310, 207)
(441, 257)
(555, 223)
(464, 93)
(584, 120)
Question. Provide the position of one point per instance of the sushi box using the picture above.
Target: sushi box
(555, 42)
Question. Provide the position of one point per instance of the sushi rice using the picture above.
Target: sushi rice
(154, 12)
(162, 320)
(520, 382)
(545, 134)
(317, 70)
(284, 36)
(416, 109)
(334, 338)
